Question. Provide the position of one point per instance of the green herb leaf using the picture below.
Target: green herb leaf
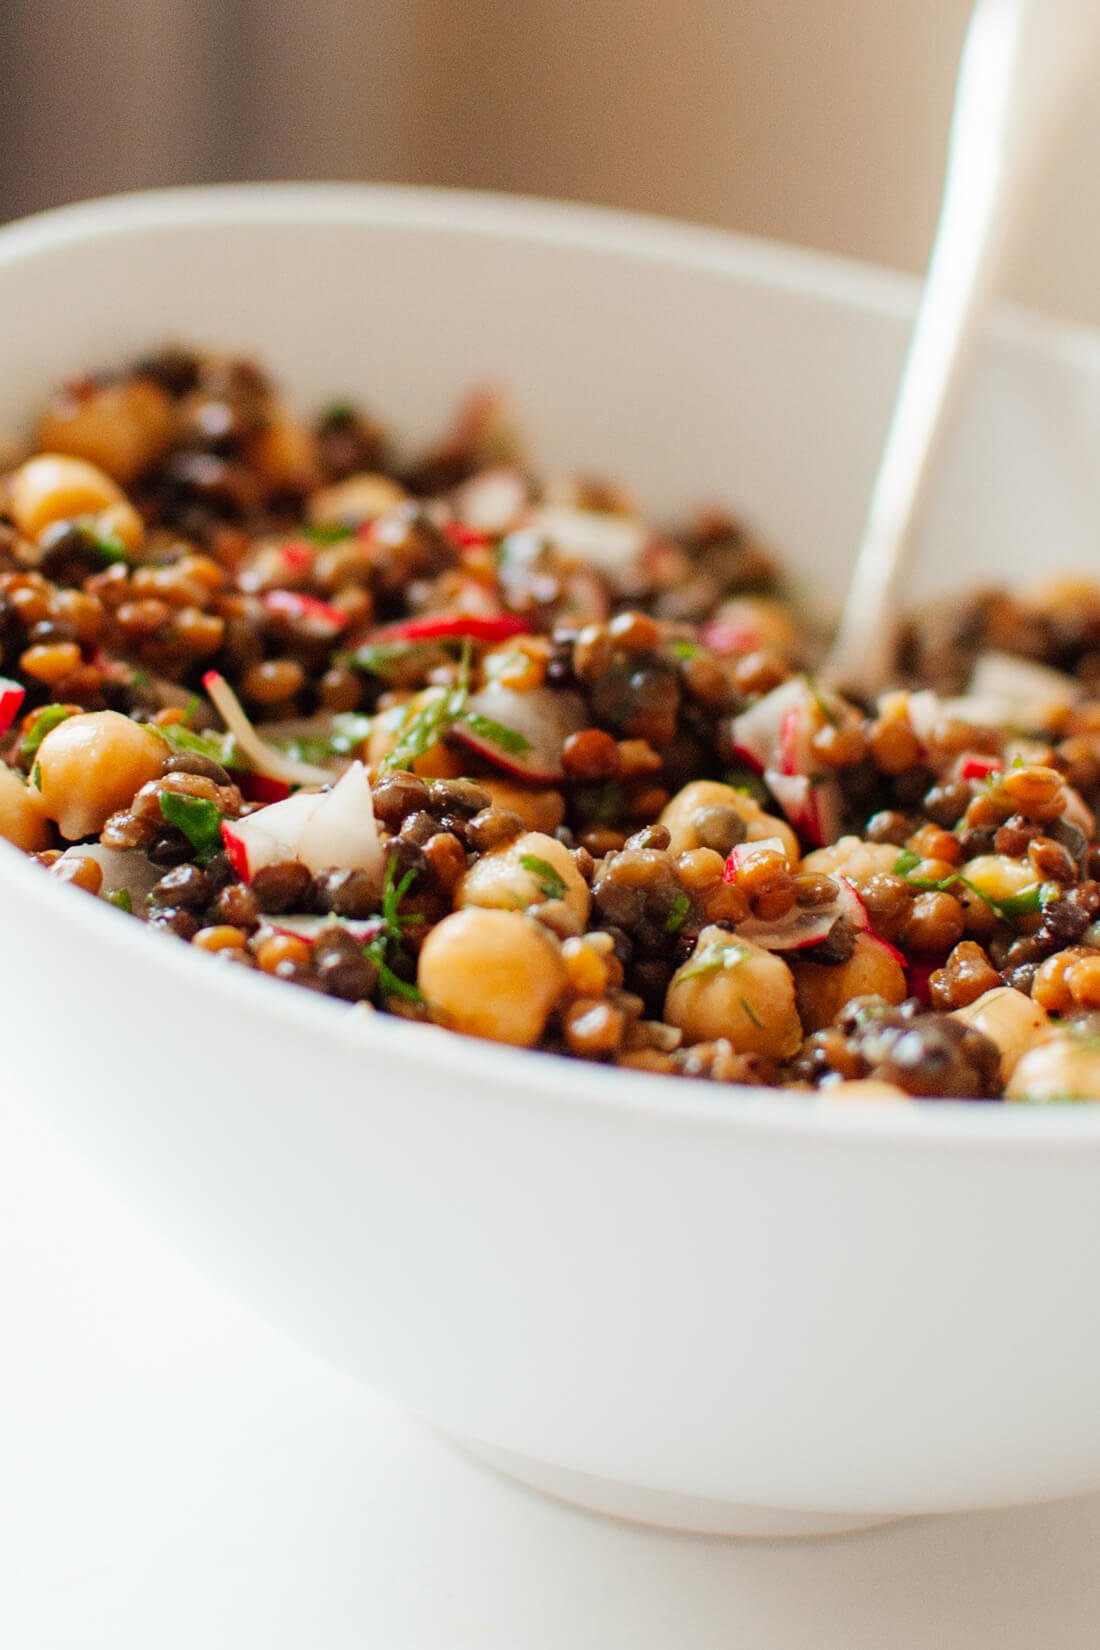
(347, 732)
(218, 747)
(394, 923)
(198, 819)
(678, 913)
(495, 732)
(48, 718)
(392, 985)
(749, 1015)
(121, 898)
(823, 706)
(330, 533)
(550, 884)
(384, 659)
(717, 955)
(36, 776)
(107, 548)
(686, 650)
(424, 726)
(1025, 903)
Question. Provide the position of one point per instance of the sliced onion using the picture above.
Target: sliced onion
(812, 805)
(125, 870)
(311, 929)
(263, 757)
(543, 717)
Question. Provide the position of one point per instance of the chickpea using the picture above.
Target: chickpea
(539, 810)
(123, 428)
(23, 819)
(853, 858)
(1060, 1067)
(54, 487)
(871, 971)
(357, 499)
(92, 765)
(1008, 1018)
(679, 817)
(493, 974)
(285, 451)
(731, 988)
(502, 879)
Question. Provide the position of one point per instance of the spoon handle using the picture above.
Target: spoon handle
(1022, 61)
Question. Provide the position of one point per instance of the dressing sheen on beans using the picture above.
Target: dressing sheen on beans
(467, 746)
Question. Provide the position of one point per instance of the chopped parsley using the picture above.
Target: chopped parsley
(120, 897)
(107, 548)
(388, 659)
(392, 933)
(686, 650)
(198, 819)
(551, 884)
(749, 1014)
(344, 737)
(46, 720)
(429, 722)
(334, 532)
(1027, 902)
(822, 704)
(218, 747)
(678, 913)
(712, 958)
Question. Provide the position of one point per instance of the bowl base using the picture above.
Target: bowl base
(698, 1515)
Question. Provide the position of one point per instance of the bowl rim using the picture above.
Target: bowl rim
(531, 1077)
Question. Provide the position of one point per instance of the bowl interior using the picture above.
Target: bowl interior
(695, 367)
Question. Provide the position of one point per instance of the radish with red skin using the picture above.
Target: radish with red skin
(729, 639)
(293, 604)
(739, 857)
(803, 928)
(323, 830)
(542, 718)
(269, 835)
(257, 787)
(11, 698)
(474, 627)
(971, 766)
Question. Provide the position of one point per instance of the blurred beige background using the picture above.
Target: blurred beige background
(817, 121)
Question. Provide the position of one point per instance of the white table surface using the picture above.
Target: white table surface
(175, 1476)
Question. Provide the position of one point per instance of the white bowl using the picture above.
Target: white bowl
(724, 1309)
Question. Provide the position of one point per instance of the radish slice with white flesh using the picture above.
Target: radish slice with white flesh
(340, 833)
(269, 835)
(802, 928)
(492, 500)
(540, 722)
(12, 695)
(811, 803)
(758, 733)
(611, 544)
(311, 929)
(331, 830)
(263, 757)
(741, 857)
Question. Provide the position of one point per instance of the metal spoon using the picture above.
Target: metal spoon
(1024, 64)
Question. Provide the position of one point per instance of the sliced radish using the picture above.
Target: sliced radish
(973, 766)
(11, 697)
(491, 500)
(811, 803)
(321, 617)
(542, 719)
(758, 732)
(323, 830)
(610, 543)
(312, 929)
(477, 627)
(802, 928)
(728, 637)
(275, 764)
(745, 852)
(269, 835)
(340, 832)
(257, 787)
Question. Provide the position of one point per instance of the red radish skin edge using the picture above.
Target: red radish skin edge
(439, 626)
(980, 767)
(294, 605)
(258, 787)
(11, 697)
(235, 850)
